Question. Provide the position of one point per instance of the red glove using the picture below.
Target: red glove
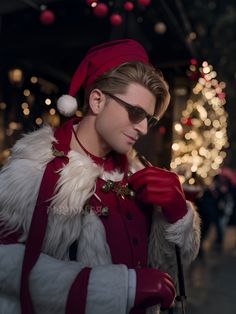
(154, 287)
(160, 187)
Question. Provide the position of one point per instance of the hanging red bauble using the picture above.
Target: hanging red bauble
(193, 61)
(101, 10)
(128, 6)
(162, 130)
(221, 95)
(89, 2)
(47, 17)
(145, 3)
(116, 19)
(187, 121)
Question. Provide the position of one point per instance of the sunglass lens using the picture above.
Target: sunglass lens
(136, 114)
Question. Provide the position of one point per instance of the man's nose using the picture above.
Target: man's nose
(142, 127)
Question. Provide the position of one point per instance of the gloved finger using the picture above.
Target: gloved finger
(148, 178)
(170, 284)
(167, 299)
(144, 171)
(152, 196)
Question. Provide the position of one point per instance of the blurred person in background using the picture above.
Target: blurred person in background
(215, 208)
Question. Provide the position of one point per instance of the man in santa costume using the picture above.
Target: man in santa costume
(86, 227)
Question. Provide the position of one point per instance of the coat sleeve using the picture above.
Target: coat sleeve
(164, 236)
(111, 288)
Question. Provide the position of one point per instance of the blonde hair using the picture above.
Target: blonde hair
(118, 79)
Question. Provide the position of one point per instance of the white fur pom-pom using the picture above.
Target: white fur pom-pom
(67, 105)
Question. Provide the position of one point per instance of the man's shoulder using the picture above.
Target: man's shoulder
(34, 145)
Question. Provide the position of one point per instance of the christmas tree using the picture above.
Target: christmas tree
(200, 136)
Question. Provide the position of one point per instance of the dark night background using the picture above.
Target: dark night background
(199, 29)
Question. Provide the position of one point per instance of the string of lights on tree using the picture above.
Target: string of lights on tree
(200, 136)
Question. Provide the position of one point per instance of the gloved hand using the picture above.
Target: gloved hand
(154, 287)
(160, 187)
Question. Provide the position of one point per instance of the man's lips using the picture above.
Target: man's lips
(133, 139)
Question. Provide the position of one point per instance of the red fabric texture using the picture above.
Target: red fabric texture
(39, 224)
(129, 221)
(160, 187)
(103, 58)
(79, 287)
(37, 232)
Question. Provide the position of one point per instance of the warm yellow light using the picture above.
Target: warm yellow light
(38, 121)
(191, 181)
(24, 105)
(34, 79)
(48, 101)
(26, 92)
(175, 146)
(52, 111)
(178, 127)
(26, 111)
(199, 149)
(78, 113)
(3, 105)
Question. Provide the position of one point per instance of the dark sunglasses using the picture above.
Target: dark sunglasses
(136, 114)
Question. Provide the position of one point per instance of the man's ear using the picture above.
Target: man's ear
(97, 101)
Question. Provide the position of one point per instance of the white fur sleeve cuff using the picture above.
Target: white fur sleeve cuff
(50, 281)
(186, 233)
(109, 290)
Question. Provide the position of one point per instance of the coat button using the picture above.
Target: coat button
(135, 241)
(129, 216)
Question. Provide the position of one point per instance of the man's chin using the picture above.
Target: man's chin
(124, 150)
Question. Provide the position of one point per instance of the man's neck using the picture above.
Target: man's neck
(88, 139)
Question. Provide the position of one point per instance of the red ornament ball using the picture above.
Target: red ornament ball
(128, 6)
(187, 121)
(116, 19)
(162, 130)
(145, 3)
(101, 10)
(89, 2)
(193, 61)
(47, 17)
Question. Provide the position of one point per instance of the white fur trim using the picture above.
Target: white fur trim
(76, 185)
(164, 236)
(93, 249)
(186, 234)
(20, 179)
(67, 105)
(108, 290)
(50, 282)
(132, 289)
(114, 176)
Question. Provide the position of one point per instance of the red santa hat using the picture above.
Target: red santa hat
(99, 60)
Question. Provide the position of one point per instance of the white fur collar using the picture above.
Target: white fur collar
(77, 184)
